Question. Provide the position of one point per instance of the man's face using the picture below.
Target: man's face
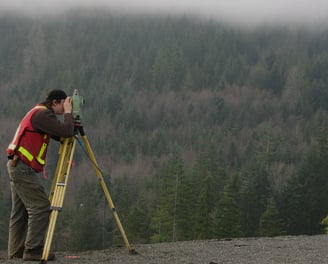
(58, 106)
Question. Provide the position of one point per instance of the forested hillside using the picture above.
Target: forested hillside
(202, 130)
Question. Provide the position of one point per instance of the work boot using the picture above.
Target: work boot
(16, 256)
(37, 256)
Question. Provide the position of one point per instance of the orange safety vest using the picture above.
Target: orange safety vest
(31, 146)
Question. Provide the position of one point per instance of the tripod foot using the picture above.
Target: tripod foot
(132, 251)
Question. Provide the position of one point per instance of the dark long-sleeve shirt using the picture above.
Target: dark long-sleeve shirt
(46, 121)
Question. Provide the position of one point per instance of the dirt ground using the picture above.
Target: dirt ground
(284, 250)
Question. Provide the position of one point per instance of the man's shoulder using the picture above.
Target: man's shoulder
(43, 110)
(43, 113)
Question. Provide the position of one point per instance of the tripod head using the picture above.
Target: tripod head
(77, 102)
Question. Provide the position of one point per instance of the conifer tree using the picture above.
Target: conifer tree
(271, 222)
(138, 223)
(228, 211)
(205, 219)
(208, 178)
(86, 229)
(254, 197)
(170, 219)
(302, 202)
(256, 188)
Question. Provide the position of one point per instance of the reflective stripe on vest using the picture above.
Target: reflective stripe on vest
(39, 157)
(26, 153)
(29, 155)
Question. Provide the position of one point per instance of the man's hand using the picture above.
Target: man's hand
(68, 105)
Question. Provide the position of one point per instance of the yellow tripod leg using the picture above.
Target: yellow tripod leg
(61, 154)
(107, 195)
(58, 190)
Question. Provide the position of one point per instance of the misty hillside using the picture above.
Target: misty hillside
(202, 130)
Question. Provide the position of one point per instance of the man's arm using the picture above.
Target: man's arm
(47, 122)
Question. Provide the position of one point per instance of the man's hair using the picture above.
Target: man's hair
(54, 95)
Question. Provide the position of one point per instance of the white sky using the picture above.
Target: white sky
(244, 11)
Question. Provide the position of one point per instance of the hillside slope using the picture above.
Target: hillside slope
(187, 119)
(284, 249)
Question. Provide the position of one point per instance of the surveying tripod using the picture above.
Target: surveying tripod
(59, 184)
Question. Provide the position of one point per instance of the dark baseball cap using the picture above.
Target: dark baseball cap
(56, 95)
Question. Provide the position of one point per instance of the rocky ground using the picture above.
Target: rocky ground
(284, 250)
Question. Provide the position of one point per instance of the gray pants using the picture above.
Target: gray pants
(30, 211)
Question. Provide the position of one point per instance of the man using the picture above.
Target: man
(26, 157)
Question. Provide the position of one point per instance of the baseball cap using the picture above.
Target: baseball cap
(56, 95)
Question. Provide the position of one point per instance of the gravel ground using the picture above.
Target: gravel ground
(284, 250)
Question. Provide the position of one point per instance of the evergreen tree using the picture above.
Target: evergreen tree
(170, 220)
(121, 191)
(316, 91)
(208, 179)
(254, 197)
(228, 211)
(205, 219)
(271, 222)
(307, 190)
(86, 226)
(138, 223)
(257, 188)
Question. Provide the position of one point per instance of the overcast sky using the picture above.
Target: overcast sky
(245, 11)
